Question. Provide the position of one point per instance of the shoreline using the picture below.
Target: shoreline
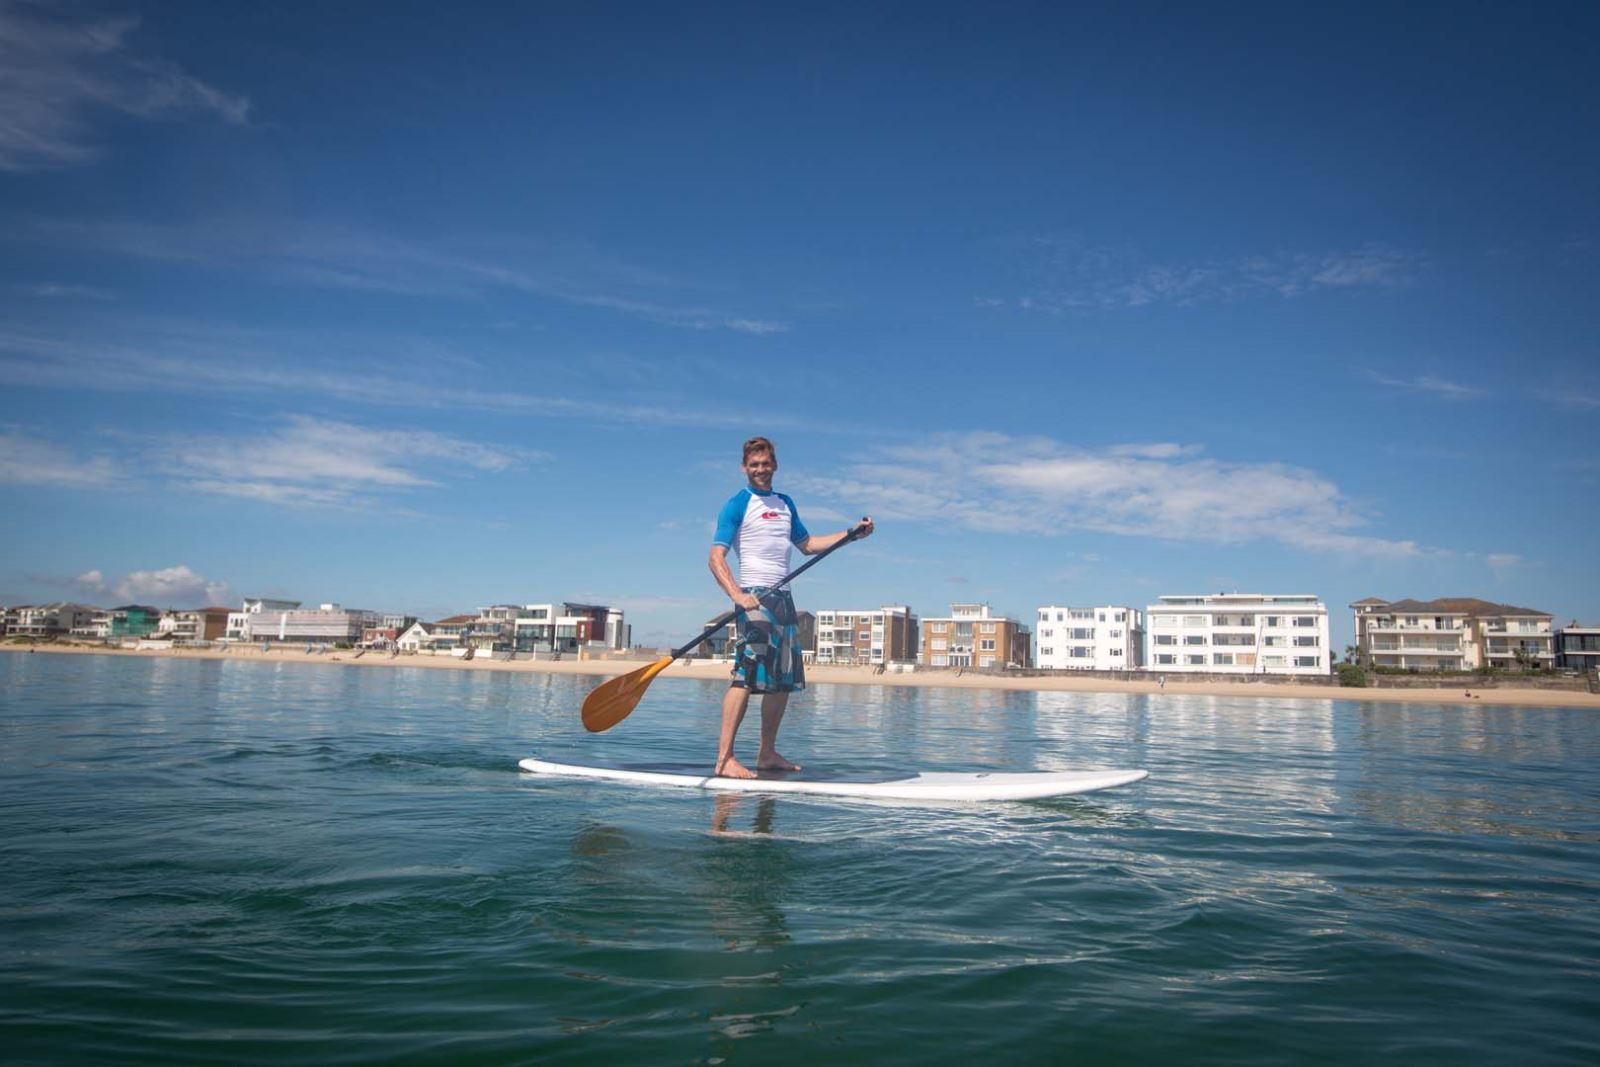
(864, 675)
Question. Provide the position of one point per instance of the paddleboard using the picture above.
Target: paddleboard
(937, 785)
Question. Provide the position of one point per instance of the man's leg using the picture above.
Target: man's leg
(734, 703)
(767, 758)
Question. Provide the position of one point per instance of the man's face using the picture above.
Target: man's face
(759, 468)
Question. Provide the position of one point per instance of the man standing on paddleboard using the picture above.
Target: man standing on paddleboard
(761, 525)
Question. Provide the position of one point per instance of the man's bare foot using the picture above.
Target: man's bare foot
(776, 762)
(732, 768)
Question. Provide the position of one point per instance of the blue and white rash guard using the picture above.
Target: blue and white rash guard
(760, 527)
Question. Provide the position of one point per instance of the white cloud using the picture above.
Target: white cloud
(56, 72)
(176, 586)
(1068, 275)
(1430, 385)
(1003, 484)
(29, 460)
(1502, 560)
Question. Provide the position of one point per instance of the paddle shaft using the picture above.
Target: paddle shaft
(722, 620)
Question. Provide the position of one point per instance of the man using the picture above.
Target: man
(760, 525)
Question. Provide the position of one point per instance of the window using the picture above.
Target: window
(986, 627)
(986, 644)
(1194, 620)
(1101, 617)
(1081, 634)
(986, 661)
(939, 644)
(1195, 661)
(1222, 659)
(1305, 642)
(1119, 616)
(1046, 652)
(1273, 641)
(1194, 639)
(1274, 620)
(1116, 633)
(1166, 639)
(1311, 620)
(1080, 652)
(1308, 661)
(941, 661)
(1046, 632)
(1166, 659)
(1116, 651)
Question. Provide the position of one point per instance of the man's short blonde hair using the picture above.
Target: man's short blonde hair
(758, 444)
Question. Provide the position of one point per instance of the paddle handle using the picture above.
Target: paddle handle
(723, 620)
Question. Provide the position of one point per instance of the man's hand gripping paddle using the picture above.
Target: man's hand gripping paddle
(614, 700)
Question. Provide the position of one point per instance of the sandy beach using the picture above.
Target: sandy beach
(1456, 693)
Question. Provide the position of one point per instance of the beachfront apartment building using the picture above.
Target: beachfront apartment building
(46, 621)
(1452, 634)
(881, 635)
(1578, 648)
(239, 621)
(1109, 638)
(973, 636)
(1238, 633)
(325, 624)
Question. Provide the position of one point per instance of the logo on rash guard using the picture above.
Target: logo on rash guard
(772, 514)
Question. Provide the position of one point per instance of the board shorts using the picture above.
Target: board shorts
(767, 658)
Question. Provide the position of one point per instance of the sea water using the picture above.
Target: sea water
(241, 862)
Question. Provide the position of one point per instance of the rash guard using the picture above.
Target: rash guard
(760, 527)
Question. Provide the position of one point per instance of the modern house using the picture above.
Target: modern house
(1107, 638)
(1452, 634)
(239, 622)
(326, 624)
(973, 636)
(1578, 648)
(199, 626)
(1239, 633)
(879, 635)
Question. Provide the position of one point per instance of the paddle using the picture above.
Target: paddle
(613, 701)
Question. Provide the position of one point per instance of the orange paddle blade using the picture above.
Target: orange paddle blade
(614, 700)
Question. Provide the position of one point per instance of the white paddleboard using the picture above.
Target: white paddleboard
(940, 785)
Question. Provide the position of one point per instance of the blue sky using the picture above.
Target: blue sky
(417, 310)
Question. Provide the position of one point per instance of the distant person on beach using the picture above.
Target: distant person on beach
(761, 526)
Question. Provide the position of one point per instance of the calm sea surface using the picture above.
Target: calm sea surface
(206, 862)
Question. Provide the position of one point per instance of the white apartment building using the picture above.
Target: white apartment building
(325, 624)
(239, 621)
(1107, 638)
(1238, 633)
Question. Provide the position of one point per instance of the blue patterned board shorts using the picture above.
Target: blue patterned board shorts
(767, 658)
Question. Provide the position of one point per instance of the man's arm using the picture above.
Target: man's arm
(724, 576)
(822, 542)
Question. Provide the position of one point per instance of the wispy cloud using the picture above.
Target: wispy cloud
(1430, 385)
(244, 365)
(334, 257)
(319, 462)
(1571, 399)
(1069, 275)
(53, 291)
(57, 71)
(29, 460)
(1003, 484)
